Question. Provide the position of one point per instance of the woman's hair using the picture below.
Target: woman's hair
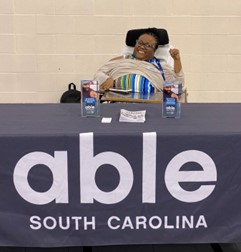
(153, 32)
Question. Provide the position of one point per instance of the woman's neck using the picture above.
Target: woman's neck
(132, 56)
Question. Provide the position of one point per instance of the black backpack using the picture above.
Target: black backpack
(71, 95)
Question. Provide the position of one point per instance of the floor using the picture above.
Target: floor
(236, 247)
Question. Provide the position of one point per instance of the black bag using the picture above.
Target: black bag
(71, 95)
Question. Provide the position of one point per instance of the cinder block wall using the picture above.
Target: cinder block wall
(46, 44)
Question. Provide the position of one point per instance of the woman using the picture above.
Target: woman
(141, 71)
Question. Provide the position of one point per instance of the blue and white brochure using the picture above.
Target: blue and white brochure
(90, 99)
(171, 106)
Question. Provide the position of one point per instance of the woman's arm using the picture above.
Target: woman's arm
(175, 54)
(109, 83)
(105, 80)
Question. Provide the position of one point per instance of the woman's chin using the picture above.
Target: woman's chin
(140, 56)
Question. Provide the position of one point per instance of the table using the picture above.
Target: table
(111, 96)
(132, 97)
(71, 181)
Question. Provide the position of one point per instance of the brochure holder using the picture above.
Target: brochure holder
(90, 98)
(171, 106)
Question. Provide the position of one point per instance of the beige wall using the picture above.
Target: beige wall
(46, 44)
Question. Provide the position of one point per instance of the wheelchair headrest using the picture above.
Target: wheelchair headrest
(133, 35)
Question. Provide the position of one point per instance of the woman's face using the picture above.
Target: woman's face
(145, 47)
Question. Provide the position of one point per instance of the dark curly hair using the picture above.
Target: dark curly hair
(153, 32)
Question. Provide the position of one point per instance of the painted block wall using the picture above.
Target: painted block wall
(46, 44)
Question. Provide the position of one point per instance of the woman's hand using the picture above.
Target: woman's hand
(175, 54)
(109, 83)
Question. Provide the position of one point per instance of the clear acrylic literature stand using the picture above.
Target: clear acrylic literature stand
(90, 98)
(171, 106)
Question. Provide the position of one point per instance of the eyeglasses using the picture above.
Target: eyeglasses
(146, 45)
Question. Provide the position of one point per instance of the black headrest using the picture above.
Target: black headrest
(133, 35)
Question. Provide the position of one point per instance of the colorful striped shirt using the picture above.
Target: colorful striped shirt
(136, 82)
